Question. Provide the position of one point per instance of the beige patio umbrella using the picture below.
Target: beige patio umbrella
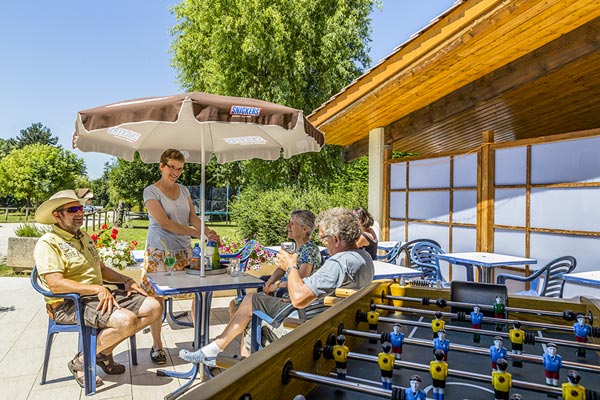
(198, 125)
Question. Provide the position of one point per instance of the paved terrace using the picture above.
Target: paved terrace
(23, 340)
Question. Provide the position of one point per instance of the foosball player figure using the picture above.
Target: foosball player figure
(552, 364)
(438, 369)
(582, 331)
(385, 359)
(437, 324)
(499, 309)
(441, 343)
(476, 318)
(373, 320)
(572, 390)
(497, 352)
(501, 380)
(340, 355)
(517, 337)
(397, 340)
(414, 392)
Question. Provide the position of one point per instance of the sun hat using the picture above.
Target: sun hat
(43, 214)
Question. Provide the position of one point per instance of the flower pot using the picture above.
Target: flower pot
(20, 253)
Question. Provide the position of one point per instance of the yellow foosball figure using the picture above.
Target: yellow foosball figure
(385, 359)
(501, 380)
(437, 324)
(438, 369)
(572, 390)
(340, 355)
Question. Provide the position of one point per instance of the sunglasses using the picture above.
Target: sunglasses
(71, 210)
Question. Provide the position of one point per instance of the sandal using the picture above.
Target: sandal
(108, 364)
(75, 366)
(158, 356)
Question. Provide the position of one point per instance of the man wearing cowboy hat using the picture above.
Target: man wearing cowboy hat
(67, 262)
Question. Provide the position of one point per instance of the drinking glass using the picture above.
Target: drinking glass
(170, 261)
(290, 247)
(234, 267)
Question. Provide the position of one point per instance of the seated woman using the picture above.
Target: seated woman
(300, 227)
(368, 238)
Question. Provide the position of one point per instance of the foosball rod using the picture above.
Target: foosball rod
(289, 372)
(492, 333)
(532, 324)
(470, 349)
(427, 301)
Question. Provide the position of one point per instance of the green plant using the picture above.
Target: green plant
(30, 230)
(258, 256)
(263, 215)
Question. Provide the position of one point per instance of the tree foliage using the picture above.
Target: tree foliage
(35, 172)
(265, 214)
(293, 52)
(127, 180)
(7, 145)
(36, 133)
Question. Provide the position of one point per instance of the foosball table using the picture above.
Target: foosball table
(345, 352)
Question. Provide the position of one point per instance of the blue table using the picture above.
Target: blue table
(588, 278)
(202, 288)
(484, 262)
(385, 270)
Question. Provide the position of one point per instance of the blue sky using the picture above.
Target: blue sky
(62, 56)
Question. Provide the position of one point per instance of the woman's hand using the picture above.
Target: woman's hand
(286, 260)
(212, 235)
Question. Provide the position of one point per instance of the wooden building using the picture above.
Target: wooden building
(501, 102)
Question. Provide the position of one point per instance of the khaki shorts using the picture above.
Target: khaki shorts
(65, 313)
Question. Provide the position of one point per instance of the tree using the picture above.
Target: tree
(6, 146)
(36, 133)
(127, 180)
(298, 53)
(35, 172)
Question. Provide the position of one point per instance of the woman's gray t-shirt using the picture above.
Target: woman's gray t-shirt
(177, 210)
(348, 269)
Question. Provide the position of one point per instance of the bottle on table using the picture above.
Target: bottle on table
(210, 251)
(216, 258)
(196, 257)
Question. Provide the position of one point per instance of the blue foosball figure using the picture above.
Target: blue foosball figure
(414, 392)
(397, 340)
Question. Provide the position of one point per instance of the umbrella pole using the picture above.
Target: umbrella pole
(202, 209)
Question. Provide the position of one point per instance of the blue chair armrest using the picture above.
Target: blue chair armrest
(501, 278)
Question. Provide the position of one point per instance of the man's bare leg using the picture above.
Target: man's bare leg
(124, 323)
(236, 326)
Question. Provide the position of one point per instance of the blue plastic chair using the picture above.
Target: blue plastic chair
(407, 247)
(423, 255)
(551, 275)
(87, 336)
(244, 256)
(390, 255)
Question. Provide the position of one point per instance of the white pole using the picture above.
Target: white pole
(202, 211)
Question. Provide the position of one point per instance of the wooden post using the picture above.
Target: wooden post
(485, 193)
(385, 220)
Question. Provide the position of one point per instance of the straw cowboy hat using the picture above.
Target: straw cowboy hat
(43, 214)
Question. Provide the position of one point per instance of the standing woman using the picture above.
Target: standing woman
(173, 221)
(368, 238)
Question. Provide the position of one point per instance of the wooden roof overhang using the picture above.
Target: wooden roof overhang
(522, 68)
